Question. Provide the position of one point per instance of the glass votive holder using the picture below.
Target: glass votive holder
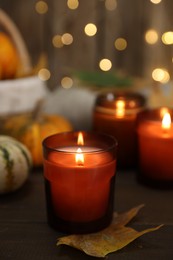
(155, 147)
(79, 173)
(115, 114)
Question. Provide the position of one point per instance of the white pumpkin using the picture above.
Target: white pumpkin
(15, 163)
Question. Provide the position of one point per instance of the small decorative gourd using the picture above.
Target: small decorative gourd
(15, 163)
(31, 129)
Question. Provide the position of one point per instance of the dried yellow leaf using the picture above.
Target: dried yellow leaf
(110, 239)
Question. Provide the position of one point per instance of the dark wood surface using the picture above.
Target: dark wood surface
(24, 233)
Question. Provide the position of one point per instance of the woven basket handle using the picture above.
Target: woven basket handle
(14, 33)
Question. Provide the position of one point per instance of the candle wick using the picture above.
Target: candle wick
(80, 164)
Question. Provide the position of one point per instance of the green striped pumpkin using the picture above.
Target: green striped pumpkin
(15, 163)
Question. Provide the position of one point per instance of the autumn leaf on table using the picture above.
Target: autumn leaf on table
(110, 239)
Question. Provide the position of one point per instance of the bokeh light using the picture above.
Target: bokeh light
(120, 44)
(66, 82)
(156, 1)
(151, 36)
(160, 75)
(90, 29)
(110, 5)
(44, 74)
(57, 41)
(105, 64)
(73, 4)
(167, 38)
(67, 38)
(41, 7)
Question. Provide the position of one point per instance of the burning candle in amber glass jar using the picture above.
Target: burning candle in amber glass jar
(115, 114)
(155, 147)
(79, 172)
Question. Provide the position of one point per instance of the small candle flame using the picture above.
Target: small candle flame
(163, 111)
(166, 121)
(80, 140)
(79, 157)
(120, 105)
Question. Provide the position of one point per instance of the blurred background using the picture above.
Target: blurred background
(79, 41)
(131, 35)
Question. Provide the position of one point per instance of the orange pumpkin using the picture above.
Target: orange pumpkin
(9, 60)
(31, 131)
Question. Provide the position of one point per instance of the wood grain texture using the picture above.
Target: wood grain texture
(25, 234)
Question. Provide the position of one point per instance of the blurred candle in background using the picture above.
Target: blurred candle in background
(155, 146)
(115, 114)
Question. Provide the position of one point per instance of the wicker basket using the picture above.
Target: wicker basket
(22, 94)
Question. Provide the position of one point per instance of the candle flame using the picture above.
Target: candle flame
(80, 140)
(79, 157)
(166, 121)
(120, 105)
(163, 111)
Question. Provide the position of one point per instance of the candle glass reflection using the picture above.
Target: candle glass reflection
(79, 181)
(155, 147)
(115, 114)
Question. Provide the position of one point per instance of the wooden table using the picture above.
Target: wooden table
(24, 233)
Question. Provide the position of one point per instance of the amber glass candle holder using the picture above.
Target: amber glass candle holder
(79, 175)
(155, 147)
(115, 114)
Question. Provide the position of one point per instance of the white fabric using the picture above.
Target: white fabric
(21, 95)
(75, 104)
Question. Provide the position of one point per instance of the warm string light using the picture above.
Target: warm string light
(156, 1)
(90, 29)
(105, 64)
(66, 82)
(58, 41)
(167, 38)
(110, 5)
(160, 75)
(72, 4)
(41, 7)
(120, 44)
(67, 39)
(44, 74)
(151, 36)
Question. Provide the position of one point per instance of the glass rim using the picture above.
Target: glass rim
(152, 115)
(128, 96)
(98, 150)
